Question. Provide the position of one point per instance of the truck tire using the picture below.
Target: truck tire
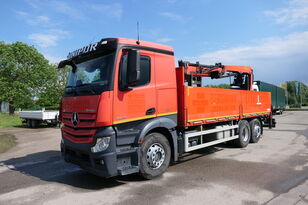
(155, 155)
(255, 127)
(34, 123)
(29, 123)
(243, 134)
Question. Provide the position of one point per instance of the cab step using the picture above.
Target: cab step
(128, 170)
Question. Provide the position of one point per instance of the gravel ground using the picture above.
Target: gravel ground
(274, 171)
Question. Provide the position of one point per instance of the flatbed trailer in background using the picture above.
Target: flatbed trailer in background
(278, 95)
(34, 118)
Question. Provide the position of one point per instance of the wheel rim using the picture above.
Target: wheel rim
(245, 134)
(155, 156)
(257, 130)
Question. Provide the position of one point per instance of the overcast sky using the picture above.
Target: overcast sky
(269, 35)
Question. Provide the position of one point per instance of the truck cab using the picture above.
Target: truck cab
(118, 89)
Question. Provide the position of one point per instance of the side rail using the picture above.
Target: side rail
(199, 139)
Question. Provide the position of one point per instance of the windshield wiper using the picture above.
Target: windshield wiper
(82, 85)
(86, 84)
(70, 89)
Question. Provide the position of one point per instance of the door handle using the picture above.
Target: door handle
(150, 111)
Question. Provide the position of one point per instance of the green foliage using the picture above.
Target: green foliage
(27, 79)
(50, 95)
(224, 86)
(8, 121)
(23, 72)
(297, 93)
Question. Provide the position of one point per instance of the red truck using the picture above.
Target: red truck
(127, 108)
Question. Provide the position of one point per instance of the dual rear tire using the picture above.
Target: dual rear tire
(244, 134)
(248, 132)
(32, 123)
(256, 130)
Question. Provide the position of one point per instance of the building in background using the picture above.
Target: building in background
(4, 107)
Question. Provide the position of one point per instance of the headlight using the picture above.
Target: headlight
(101, 144)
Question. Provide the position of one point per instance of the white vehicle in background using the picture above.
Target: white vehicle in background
(34, 118)
(255, 86)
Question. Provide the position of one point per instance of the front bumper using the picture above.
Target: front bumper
(108, 163)
(90, 162)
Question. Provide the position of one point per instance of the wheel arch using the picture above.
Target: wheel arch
(164, 131)
(164, 126)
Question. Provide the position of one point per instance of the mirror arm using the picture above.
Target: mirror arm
(64, 63)
(128, 88)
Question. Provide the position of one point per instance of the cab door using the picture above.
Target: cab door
(138, 103)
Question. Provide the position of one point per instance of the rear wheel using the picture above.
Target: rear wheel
(244, 134)
(34, 123)
(255, 127)
(155, 155)
(29, 123)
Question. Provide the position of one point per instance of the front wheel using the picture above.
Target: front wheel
(155, 155)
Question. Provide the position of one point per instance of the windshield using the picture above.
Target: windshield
(92, 75)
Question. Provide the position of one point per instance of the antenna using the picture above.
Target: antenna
(138, 42)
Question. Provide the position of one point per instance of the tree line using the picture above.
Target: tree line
(297, 93)
(27, 79)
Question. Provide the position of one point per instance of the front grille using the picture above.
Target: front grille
(81, 135)
(77, 136)
(83, 132)
(84, 119)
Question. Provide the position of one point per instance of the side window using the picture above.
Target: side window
(246, 82)
(145, 70)
(241, 81)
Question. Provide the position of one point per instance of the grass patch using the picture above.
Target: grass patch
(6, 142)
(8, 121)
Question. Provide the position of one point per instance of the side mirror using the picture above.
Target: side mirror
(133, 67)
